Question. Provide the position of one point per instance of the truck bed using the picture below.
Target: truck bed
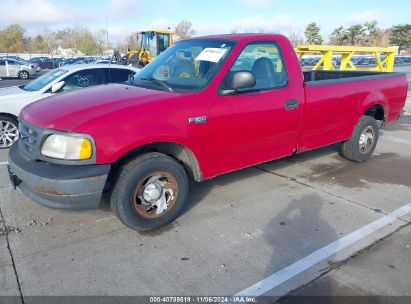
(334, 101)
(328, 77)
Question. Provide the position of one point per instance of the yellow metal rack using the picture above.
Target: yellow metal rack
(346, 52)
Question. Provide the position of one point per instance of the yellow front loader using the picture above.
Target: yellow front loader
(152, 43)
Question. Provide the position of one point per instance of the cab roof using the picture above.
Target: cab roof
(241, 36)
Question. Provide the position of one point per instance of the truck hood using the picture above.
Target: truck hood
(15, 92)
(68, 110)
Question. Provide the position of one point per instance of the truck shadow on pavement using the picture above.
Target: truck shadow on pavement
(300, 226)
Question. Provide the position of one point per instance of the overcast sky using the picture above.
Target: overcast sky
(208, 17)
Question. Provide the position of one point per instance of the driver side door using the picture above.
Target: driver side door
(257, 124)
(13, 68)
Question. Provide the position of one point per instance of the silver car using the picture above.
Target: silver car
(14, 68)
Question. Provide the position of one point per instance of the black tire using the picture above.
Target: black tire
(4, 142)
(23, 75)
(123, 197)
(352, 150)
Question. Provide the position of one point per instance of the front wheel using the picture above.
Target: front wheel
(150, 192)
(9, 132)
(363, 140)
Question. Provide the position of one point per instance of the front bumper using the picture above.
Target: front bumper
(58, 186)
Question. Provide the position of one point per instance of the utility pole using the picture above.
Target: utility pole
(106, 33)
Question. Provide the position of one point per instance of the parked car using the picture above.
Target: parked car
(69, 61)
(66, 79)
(57, 62)
(194, 113)
(407, 59)
(84, 61)
(398, 60)
(16, 69)
(44, 62)
(336, 61)
(13, 57)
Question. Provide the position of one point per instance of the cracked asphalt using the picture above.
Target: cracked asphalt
(236, 230)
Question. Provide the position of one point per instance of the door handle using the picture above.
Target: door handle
(291, 104)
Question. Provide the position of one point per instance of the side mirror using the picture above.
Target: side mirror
(57, 86)
(240, 80)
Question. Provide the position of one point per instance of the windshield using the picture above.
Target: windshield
(188, 66)
(44, 80)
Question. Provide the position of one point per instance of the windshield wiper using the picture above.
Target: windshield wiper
(157, 81)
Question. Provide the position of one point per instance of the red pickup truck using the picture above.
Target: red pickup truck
(204, 107)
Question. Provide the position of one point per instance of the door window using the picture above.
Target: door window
(163, 42)
(82, 79)
(120, 75)
(265, 61)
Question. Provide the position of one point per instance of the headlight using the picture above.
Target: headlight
(67, 147)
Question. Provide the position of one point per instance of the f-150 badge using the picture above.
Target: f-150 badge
(198, 120)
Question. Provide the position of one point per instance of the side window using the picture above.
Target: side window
(2, 62)
(163, 42)
(11, 62)
(120, 75)
(82, 79)
(265, 61)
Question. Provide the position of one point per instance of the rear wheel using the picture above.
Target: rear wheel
(9, 132)
(150, 192)
(363, 141)
(23, 75)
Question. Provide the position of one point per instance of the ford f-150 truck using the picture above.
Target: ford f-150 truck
(204, 107)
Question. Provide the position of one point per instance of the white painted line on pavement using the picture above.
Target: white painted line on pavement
(317, 256)
(3, 163)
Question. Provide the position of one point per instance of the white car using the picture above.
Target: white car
(60, 80)
(17, 69)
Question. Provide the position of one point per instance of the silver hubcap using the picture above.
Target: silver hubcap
(152, 192)
(9, 133)
(366, 141)
(157, 193)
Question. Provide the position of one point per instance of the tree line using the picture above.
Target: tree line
(366, 34)
(13, 38)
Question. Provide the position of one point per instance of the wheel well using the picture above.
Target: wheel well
(176, 151)
(9, 115)
(376, 111)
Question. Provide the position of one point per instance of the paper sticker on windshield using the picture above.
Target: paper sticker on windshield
(211, 54)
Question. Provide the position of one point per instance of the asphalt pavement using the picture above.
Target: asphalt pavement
(302, 225)
(382, 270)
